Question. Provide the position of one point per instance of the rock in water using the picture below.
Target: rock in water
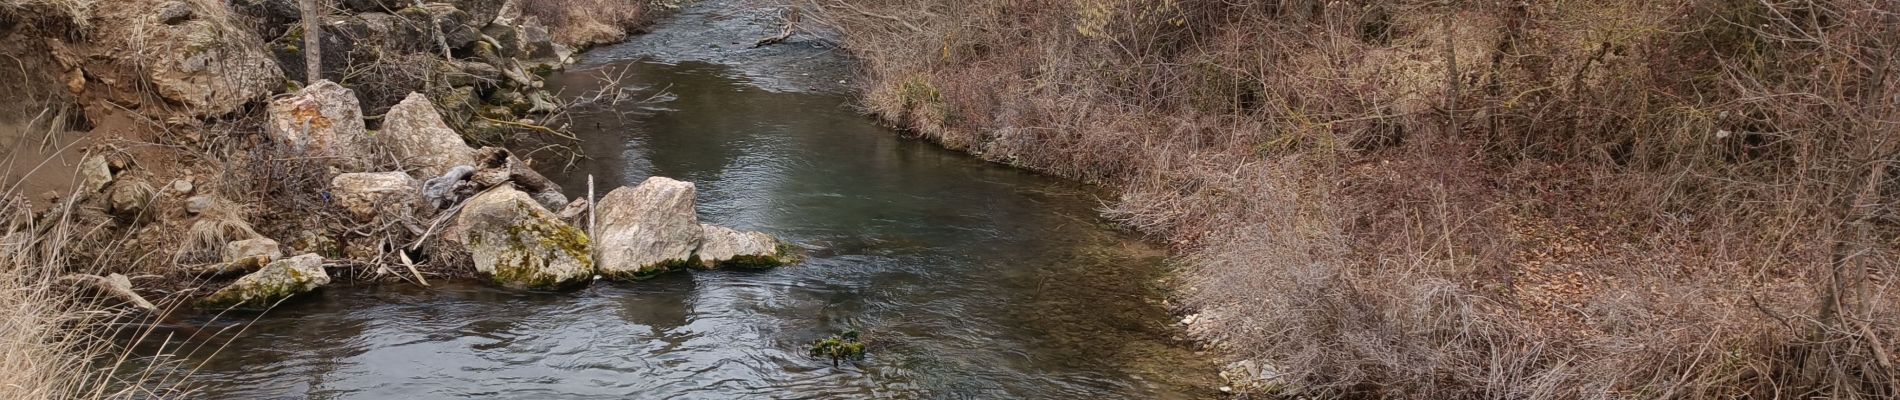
(416, 135)
(277, 281)
(647, 229)
(519, 244)
(322, 120)
(727, 247)
(367, 195)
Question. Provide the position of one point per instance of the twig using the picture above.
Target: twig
(531, 126)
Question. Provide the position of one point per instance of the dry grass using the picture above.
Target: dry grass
(76, 12)
(584, 23)
(56, 341)
(1609, 199)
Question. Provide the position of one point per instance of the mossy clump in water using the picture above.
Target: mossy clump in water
(845, 346)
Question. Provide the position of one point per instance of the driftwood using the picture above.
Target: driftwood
(115, 286)
(791, 26)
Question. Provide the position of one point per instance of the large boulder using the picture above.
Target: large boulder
(518, 244)
(723, 247)
(322, 120)
(417, 136)
(277, 281)
(647, 229)
(189, 55)
(367, 195)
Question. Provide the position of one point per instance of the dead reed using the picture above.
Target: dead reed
(1678, 199)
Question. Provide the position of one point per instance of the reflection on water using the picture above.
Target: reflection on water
(971, 280)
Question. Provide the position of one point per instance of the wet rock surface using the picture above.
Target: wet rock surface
(280, 280)
(518, 244)
(647, 229)
(723, 247)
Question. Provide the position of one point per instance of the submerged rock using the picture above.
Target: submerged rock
(727, 247)
(277, 281)
(418, 137)
(518, 244)
(322, 120)
(647, 229)
(367, 195)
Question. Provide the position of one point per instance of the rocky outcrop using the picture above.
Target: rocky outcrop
(722, 247)
(277, 281)
(518, 244)
(647, 229)
(416, 135)
(367, 195)
(207, 65)
(322, 120)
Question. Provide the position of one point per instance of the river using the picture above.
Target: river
(970, 280)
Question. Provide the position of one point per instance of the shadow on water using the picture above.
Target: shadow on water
(970, 279)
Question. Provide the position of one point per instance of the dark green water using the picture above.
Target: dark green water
(971, 280)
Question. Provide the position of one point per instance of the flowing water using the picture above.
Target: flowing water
(970, 280)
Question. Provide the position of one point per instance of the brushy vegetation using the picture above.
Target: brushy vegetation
(1566, 199)
(583, 23)
(55, 337)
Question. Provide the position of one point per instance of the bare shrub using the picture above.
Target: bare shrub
(582, 23)
(1682, 199)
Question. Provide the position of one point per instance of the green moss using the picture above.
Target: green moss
(783, 255)
(530, 247)
(652, 270)
(840, 347)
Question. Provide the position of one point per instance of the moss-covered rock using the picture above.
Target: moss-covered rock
(723, 247)
(517, 243)
(277, 281)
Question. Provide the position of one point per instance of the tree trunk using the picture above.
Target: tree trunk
(312, 46)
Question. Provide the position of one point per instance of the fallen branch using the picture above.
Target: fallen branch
(115, 286)
(530, 126)
(791, 26)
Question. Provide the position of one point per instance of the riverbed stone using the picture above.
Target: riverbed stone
(518, 244)
(418, 137)
(369, 194)
(647, 229)
(261, 250)
(280, 280)
(723, 247)
(322, 120)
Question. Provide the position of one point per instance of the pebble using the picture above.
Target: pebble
(181, 186)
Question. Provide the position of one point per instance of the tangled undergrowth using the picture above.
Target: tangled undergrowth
(1569, 199)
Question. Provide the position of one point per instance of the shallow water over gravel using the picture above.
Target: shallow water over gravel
(971, 280)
